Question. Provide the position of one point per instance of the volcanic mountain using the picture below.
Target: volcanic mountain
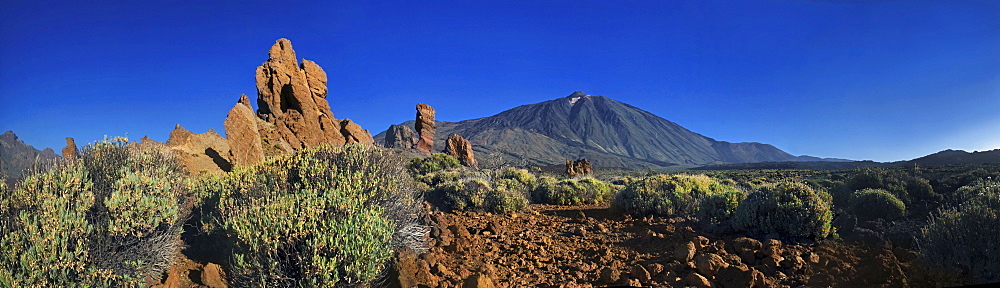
(607, 132)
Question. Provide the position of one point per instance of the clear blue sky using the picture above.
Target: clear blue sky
(864, 79)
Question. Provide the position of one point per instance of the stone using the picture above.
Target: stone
(413, 271)
(458, 147)
(739, 277)
(213, 276)
(685, 252)
(738, 245)
(609, 275)
(243, 134)
(579, 167)
(654, 269)
(70, 151)
(425, 127)
(700, 242)
(200, 153)
(579, 231)
(400, 136)
(709, 264)
(640, 273)
(292, 96)
(478, 281)
(696, 280)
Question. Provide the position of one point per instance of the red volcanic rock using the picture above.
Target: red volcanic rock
(70, 151)
(292, 97)
(425, 127)
(460, 148)
(243, 134)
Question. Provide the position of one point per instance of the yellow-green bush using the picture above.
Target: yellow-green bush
(871, 204)
(573, 192)
(433, 163)
(110, 218)
(719, 205)
(967, 237)
(669, 195)
(322, 217)
(478, 194)
(789, 208)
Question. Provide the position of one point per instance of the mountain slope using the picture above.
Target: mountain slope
(16, 157)
(608, 132)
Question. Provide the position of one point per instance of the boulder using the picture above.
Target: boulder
(70, 151)
(709, 264)
(200, 153)
(243, 134)
(478, 281)
(460, 148)
(400, 136)
(425, 127)
(685, 252)
(696, 280)
(740, 277)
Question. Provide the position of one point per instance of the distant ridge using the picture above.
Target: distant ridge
(608, 132)
(946, 157)
(16, 157)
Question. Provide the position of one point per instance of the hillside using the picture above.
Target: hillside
(16, 157)
(608, 132)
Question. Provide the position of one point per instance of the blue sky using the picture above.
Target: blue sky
(880, 80)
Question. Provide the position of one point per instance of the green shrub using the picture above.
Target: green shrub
(520, 175)
(478, 194)
(573, 192)
(668, 195)
(871, 204)
(322, 217)
(968, 237)
(789, 208)
(433, 163)
(110, 218)
(719, 205)
(915, 192)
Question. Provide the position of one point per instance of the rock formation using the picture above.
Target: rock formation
(460, 148)
(243, 134)
(425, 128)
(200, 153)
(400, 136)
(292, 97)
(70, 151)
(578, 168)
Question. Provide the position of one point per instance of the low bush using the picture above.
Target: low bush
(573, 192)
(323, 217)
(478, 194)
(672, 195)
(871, 204)
(789, 208)
(435, 162)
(719, 205)
(110, 218)
(967, 237)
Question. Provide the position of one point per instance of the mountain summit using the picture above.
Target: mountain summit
(608, 132)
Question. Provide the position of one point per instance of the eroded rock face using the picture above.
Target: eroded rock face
(579, 167)
(70, 151)
(243, 134)
(200, 153)
(460, 148)
(400, 136)
(292, 97)
(425, 127)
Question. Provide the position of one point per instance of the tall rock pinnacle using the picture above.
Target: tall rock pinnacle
(425, 127)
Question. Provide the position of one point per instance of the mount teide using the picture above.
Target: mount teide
(607, 132)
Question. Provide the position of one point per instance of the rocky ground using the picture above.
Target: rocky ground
(589, 246)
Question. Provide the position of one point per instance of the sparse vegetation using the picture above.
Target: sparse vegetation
(108, 219)
(967, 237)
(871, 204)
(319, 218)
(789, 208)
(573, 191)
(436, 162)
(674, 195)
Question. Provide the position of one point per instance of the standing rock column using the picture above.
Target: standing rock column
(70, 151)
(460, 148)
(425, 127)
(243, 134)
